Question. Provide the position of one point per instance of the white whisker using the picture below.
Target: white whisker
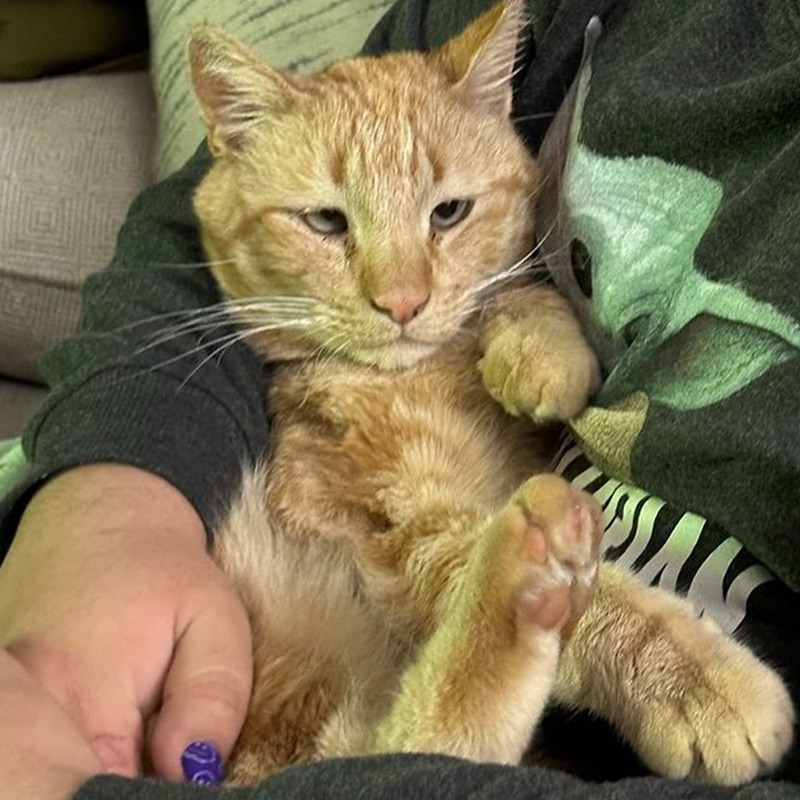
(257, 309)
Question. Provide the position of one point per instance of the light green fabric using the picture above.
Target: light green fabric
(299, 35)
(12, 464)
(642, 220)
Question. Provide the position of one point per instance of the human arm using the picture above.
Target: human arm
(119, 417)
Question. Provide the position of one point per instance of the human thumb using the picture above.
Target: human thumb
(207, 688)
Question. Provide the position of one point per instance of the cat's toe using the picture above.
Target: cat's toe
(545, 609)
(725, 718)
(771, 728)
(754, 723)
(560, 528)
(550, 379)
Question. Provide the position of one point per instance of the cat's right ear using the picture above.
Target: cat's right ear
(234, 89)
(480, 60)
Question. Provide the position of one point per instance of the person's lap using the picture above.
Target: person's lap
(674, 550)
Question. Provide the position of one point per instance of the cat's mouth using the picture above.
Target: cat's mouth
(406, 338)
(401, 339)
(399, 353)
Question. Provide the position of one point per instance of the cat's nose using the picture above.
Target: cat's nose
(401, 306)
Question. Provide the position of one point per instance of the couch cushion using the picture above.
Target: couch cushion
(302, 35)
(75, 151)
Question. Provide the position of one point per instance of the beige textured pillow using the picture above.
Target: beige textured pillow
(74, 152)
(301, 35)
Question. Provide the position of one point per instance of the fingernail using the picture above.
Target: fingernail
(202, 764)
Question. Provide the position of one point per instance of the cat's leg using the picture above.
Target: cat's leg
(481, 681)
(691, 700)
(536, 361)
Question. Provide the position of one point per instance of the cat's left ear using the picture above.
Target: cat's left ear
(234, 89)
(480, 60)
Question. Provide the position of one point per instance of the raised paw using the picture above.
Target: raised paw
(549, 539)
(543, 377)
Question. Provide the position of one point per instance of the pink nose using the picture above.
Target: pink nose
(402, 307)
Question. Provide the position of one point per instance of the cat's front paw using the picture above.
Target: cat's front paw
(540, 376)
(715, 712)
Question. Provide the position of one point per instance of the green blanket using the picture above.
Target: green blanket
(683, 184)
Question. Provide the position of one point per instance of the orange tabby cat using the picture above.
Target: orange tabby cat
(408, 569)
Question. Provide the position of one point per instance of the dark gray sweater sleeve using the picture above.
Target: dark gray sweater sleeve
(410, 777)
(129, 387)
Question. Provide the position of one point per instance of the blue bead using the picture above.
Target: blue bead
(202, 764)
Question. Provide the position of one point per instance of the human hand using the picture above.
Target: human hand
(109, 598)
(44, 755)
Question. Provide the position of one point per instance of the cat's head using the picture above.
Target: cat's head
(366, 211)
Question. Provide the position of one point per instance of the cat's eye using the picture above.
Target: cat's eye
(448, 214)
(327, 221)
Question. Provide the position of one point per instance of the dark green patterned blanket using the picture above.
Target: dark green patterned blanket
(685, 190)
(684, 187)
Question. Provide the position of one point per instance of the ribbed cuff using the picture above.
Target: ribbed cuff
(147, 420)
